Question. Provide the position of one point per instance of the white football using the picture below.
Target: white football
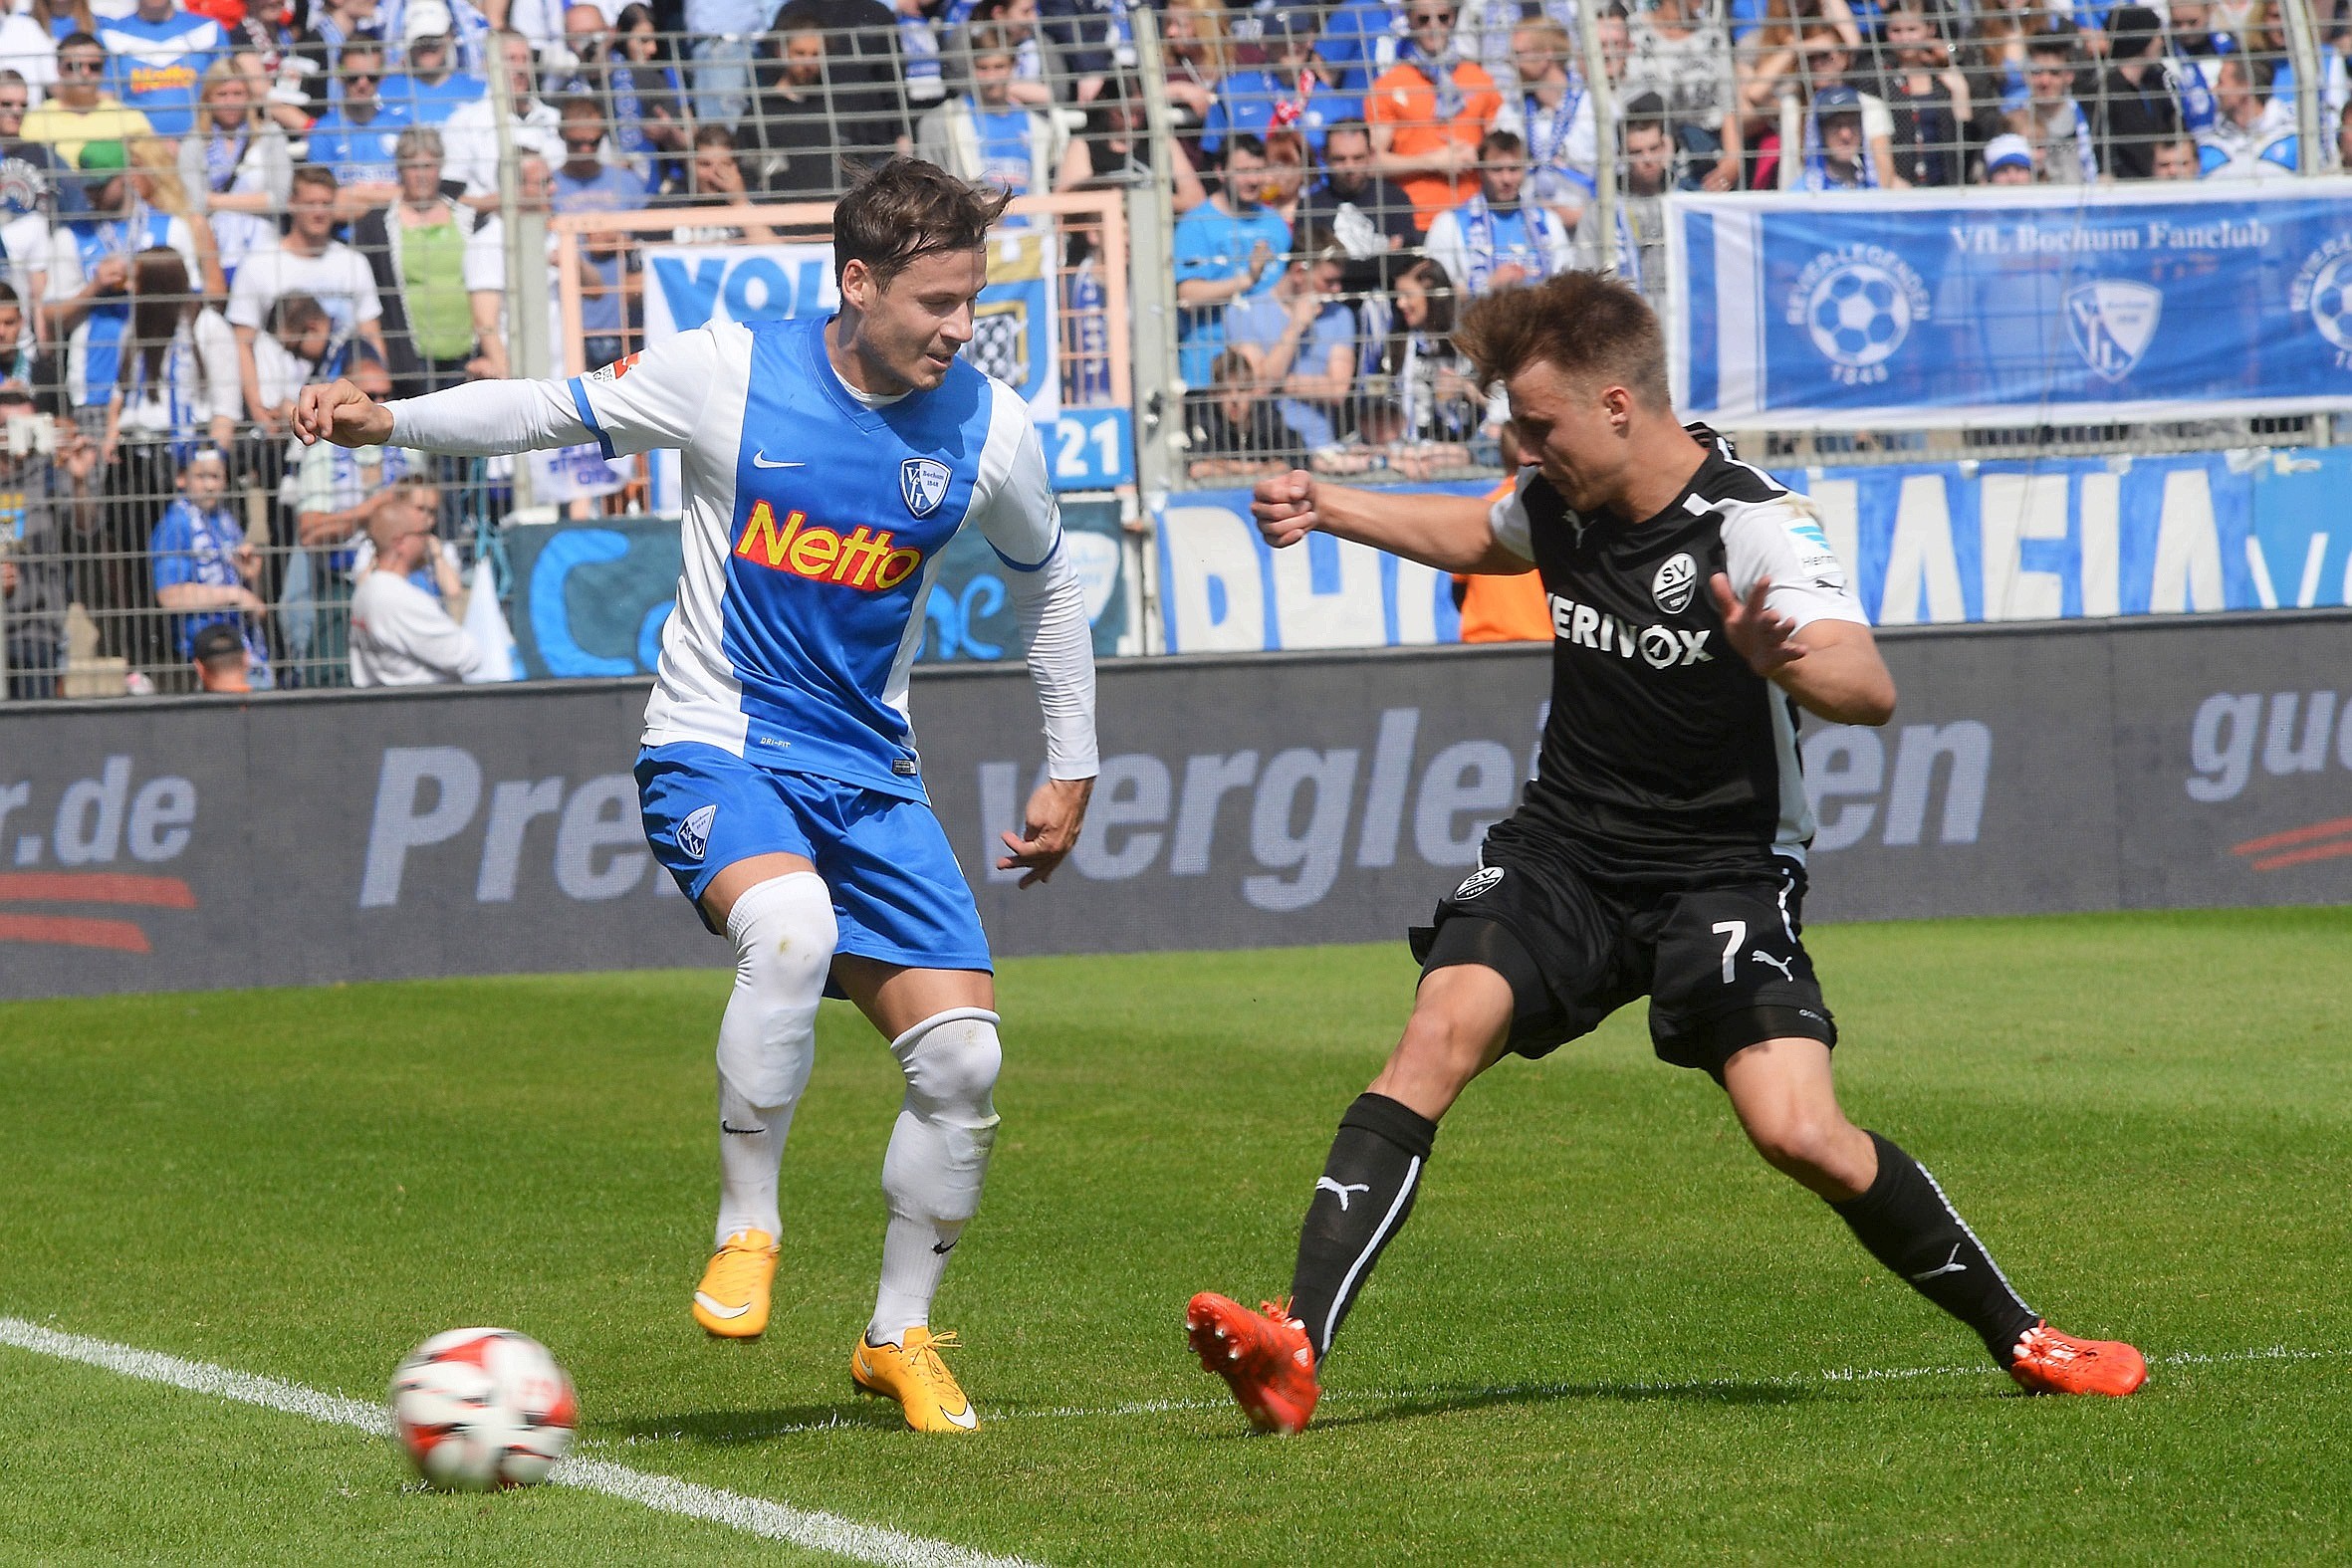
(479, 1407)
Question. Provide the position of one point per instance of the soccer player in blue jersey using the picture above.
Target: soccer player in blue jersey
(827, 464)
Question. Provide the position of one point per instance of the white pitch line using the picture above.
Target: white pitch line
(776, 1521)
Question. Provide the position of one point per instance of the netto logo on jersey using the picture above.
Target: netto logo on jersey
(1660, 647)
(866, 561)
(1672, 585)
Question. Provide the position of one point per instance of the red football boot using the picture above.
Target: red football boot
(1263, 1356)
(2049, 1362)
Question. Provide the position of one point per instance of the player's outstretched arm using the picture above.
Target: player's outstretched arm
(1450, 533)
(650, 400)
(340, 412)
(1831, 667)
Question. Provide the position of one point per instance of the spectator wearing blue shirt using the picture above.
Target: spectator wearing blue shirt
(1285, 94)
(1300, 341)
(584, 182)
(1361, 39)
(358, 134)
(432, 88)
(725, 33)
(205, 569)
(1226, 249)
(156, 57)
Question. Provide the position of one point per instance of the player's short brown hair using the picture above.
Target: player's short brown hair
(906, 209)
(1583, 324)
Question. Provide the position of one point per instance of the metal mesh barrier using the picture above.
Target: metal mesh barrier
(1254, 224)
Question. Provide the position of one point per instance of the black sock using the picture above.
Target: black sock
(1911, 1226)
(1360, 1201)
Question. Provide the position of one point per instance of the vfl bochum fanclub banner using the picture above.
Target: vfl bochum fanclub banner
(1909, 308)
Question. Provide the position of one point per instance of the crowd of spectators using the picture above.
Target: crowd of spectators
(204, 206)
(1444, 149)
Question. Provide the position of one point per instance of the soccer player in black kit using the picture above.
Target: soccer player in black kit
(1696, 605)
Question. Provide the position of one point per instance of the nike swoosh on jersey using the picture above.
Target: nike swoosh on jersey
(719, 1308)
(760, 460)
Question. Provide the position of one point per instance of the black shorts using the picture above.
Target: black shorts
(1720, 960)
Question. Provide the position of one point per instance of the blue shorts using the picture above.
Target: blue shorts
(897, 892)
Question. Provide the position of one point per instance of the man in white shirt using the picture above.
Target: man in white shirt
(470, 136)
(308, 259)
(400, 635)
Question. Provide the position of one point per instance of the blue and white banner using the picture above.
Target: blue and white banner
(2055, 306)
(1942, 544)
(2059, 539)
(1224, 589)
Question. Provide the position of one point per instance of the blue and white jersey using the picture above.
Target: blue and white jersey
(814, 519)
(158, 67)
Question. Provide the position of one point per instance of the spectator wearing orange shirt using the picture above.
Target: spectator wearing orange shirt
(1427, 113)
(1504, 609)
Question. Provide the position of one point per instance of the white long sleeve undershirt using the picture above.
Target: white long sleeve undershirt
(1052, 607)
(490, 419)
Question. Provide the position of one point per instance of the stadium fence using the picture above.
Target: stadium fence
(1158, 402)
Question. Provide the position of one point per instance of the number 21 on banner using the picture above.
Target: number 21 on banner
(1088, 448)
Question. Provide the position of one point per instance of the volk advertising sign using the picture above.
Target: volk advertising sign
(1243, 801)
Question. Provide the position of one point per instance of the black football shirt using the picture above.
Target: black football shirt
(1664, 755)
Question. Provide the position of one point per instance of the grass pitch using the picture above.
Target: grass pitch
(1608, 1334)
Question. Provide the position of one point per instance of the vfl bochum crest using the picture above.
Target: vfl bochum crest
(694, 833)
(2112, 322)
(923, 481)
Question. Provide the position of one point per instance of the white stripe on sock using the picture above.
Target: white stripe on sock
(1387, 1224)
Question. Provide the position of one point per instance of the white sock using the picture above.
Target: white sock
(783, 933)
(937, 1160)
(915, 1255)
(751, 1148)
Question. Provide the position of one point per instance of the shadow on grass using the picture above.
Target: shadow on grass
(1726, 1392)
(719, 1427)
(1438, 1402)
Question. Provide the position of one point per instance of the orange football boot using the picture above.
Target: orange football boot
(2049, 1362)
(1263, 1356)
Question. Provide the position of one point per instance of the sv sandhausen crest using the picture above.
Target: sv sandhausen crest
(1479, 881)
(2111, 324)
(923, 481)
(1676, 581)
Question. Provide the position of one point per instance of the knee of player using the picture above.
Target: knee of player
(1797, 1141)
(951, 1058)
(1443, 1031)
(785, 929)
